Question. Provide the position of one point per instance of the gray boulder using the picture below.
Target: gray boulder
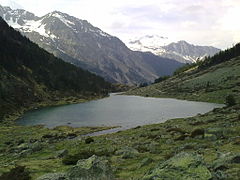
(180, 167)
(93, 168)
(54, 176)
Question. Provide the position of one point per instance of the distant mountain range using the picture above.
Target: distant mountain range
(162, 46)
(80, 43)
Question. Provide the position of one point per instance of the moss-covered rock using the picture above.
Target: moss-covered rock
(183, 166)
(53, 176)
(93, 168)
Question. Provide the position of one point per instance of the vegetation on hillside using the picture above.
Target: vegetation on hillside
(29, 75)
(211, 83)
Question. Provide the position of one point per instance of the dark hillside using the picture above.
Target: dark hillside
(31, 75)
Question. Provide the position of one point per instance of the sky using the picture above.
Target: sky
(201, 22)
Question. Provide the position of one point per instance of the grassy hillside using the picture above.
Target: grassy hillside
(31, 77)
(212, 84)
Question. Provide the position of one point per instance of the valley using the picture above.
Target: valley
(76, 103)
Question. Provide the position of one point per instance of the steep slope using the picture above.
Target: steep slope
(210, 80)
(30, 76)
(84, 45)
(162, 46)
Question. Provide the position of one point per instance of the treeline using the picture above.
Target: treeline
(218, 58)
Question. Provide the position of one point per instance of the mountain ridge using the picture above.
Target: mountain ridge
(165, 47)
(80, 43)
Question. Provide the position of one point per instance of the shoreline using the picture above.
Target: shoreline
(12, 118)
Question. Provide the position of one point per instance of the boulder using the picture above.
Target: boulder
(182, 166)
(53, 176)
(93, 168)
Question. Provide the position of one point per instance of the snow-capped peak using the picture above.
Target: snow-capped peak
(164, 46)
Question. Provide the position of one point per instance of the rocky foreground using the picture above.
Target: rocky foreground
(202, 147)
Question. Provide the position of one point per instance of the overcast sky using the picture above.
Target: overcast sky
(202, 22)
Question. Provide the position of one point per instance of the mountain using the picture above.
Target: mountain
(162, 46)
(80, 43)
(31, 77)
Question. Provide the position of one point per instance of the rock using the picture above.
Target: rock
(62, 153)
(36, 147)
(53, 176)
(145, 162)
(181, 166)
(93, 168)
(127, 153)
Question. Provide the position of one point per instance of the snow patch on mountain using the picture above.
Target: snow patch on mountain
(164, 46)
(63, 19)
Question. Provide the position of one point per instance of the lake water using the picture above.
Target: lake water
(116, 110)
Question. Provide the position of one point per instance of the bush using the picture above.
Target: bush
(89, 140)
(17, 173)
(230, 100)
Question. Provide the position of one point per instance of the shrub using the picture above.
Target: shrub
(17, 173)
(89, 140)
(230, 100)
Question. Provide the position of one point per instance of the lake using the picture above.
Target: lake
(116, 110)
